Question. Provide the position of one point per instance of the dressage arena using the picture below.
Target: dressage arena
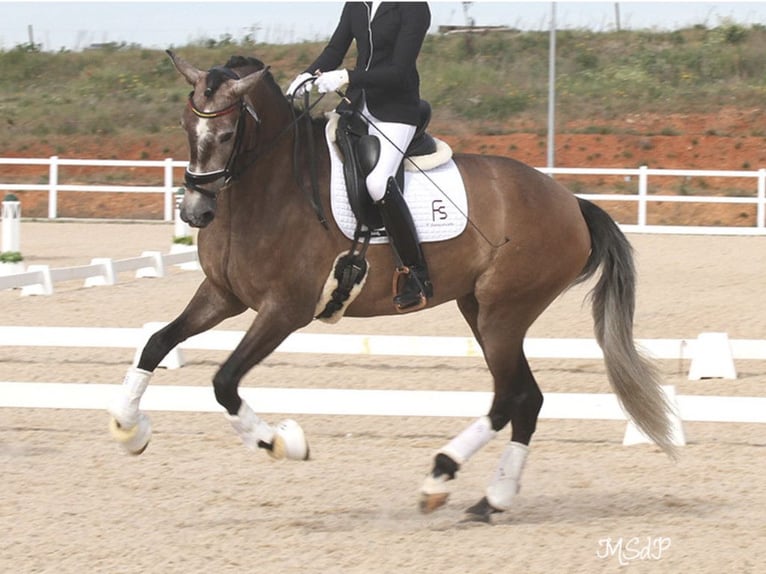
(198, 501)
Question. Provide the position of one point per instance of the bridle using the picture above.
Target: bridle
(195, 180)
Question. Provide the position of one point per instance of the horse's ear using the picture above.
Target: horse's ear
(244, 85)
(188, 71)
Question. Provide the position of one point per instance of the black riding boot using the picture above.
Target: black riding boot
(415, 287)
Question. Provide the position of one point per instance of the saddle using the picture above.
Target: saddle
(360, 151)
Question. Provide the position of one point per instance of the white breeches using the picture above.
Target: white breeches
(394, 140)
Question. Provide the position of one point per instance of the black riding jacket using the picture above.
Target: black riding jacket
(387, 50)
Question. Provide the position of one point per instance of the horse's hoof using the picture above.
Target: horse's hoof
(431, 502)
(480, 512)
(135, 439)
(289, 442)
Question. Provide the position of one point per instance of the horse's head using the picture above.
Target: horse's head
(215, 122)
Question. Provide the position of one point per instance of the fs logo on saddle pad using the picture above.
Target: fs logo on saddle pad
(437, 199)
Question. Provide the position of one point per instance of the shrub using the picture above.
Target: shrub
(11, 257)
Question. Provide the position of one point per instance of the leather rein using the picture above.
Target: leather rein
(195, 181)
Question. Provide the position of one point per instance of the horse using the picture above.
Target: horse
(266, 244)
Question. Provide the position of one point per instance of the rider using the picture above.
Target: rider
(385, 85)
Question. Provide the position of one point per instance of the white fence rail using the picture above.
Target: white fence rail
(698, 349)
(572, 406)
(642, 197)
(587, 406)
(54, 185)
(40, 279)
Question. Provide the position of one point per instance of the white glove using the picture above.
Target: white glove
(300, 85)
(331, 81)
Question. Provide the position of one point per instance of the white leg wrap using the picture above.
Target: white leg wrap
(124, 408)
(251, 428)
(507, 480)
(468, 442)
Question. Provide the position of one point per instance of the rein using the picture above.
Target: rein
(314, 178)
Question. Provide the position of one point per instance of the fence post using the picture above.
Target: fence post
(760, 217)
(643, 191)
(11, 224)
(53, 182)
(169, 189)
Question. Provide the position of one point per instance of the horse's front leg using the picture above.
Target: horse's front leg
(268, 331)
(208, 307)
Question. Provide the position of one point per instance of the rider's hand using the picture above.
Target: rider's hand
(301, 84)
(331, 81)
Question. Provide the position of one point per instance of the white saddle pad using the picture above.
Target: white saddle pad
(437, 199)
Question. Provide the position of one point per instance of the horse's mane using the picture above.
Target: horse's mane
(219, 74)
(243, 62)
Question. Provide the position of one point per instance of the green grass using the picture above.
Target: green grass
(482, 80)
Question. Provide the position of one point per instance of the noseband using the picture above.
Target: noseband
(195, 180)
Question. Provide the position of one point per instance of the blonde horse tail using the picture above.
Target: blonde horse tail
(635, 380)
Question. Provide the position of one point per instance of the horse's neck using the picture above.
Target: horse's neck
(266, 194)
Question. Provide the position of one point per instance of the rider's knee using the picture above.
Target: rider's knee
(376, 185)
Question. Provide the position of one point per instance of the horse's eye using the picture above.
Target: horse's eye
(226, 137)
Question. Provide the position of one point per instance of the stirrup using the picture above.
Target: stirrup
(402, 302)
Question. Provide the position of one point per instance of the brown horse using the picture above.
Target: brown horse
(263, 247)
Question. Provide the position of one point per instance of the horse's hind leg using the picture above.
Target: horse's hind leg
(208, 307)
(517, 400)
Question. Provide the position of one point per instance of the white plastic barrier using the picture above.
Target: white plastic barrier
(40, 279)
(589, 406)
(700, 351)
(177, 398)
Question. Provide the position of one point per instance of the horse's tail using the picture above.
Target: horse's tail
(633, 378)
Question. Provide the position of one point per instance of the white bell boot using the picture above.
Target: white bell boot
(131, 428)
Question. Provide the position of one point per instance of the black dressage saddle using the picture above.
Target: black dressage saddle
(361, 149)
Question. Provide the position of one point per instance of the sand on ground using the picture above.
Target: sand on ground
(198, 501)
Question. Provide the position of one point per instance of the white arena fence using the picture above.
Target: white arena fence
(755, 196)
(580, 406)
(40, 279)
(707, 350)
(54, 184)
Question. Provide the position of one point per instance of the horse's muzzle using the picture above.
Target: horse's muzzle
(197, 210)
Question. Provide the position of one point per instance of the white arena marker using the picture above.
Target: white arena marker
(712, 358)
(108, 277)
(45, 284)
(155, 269)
